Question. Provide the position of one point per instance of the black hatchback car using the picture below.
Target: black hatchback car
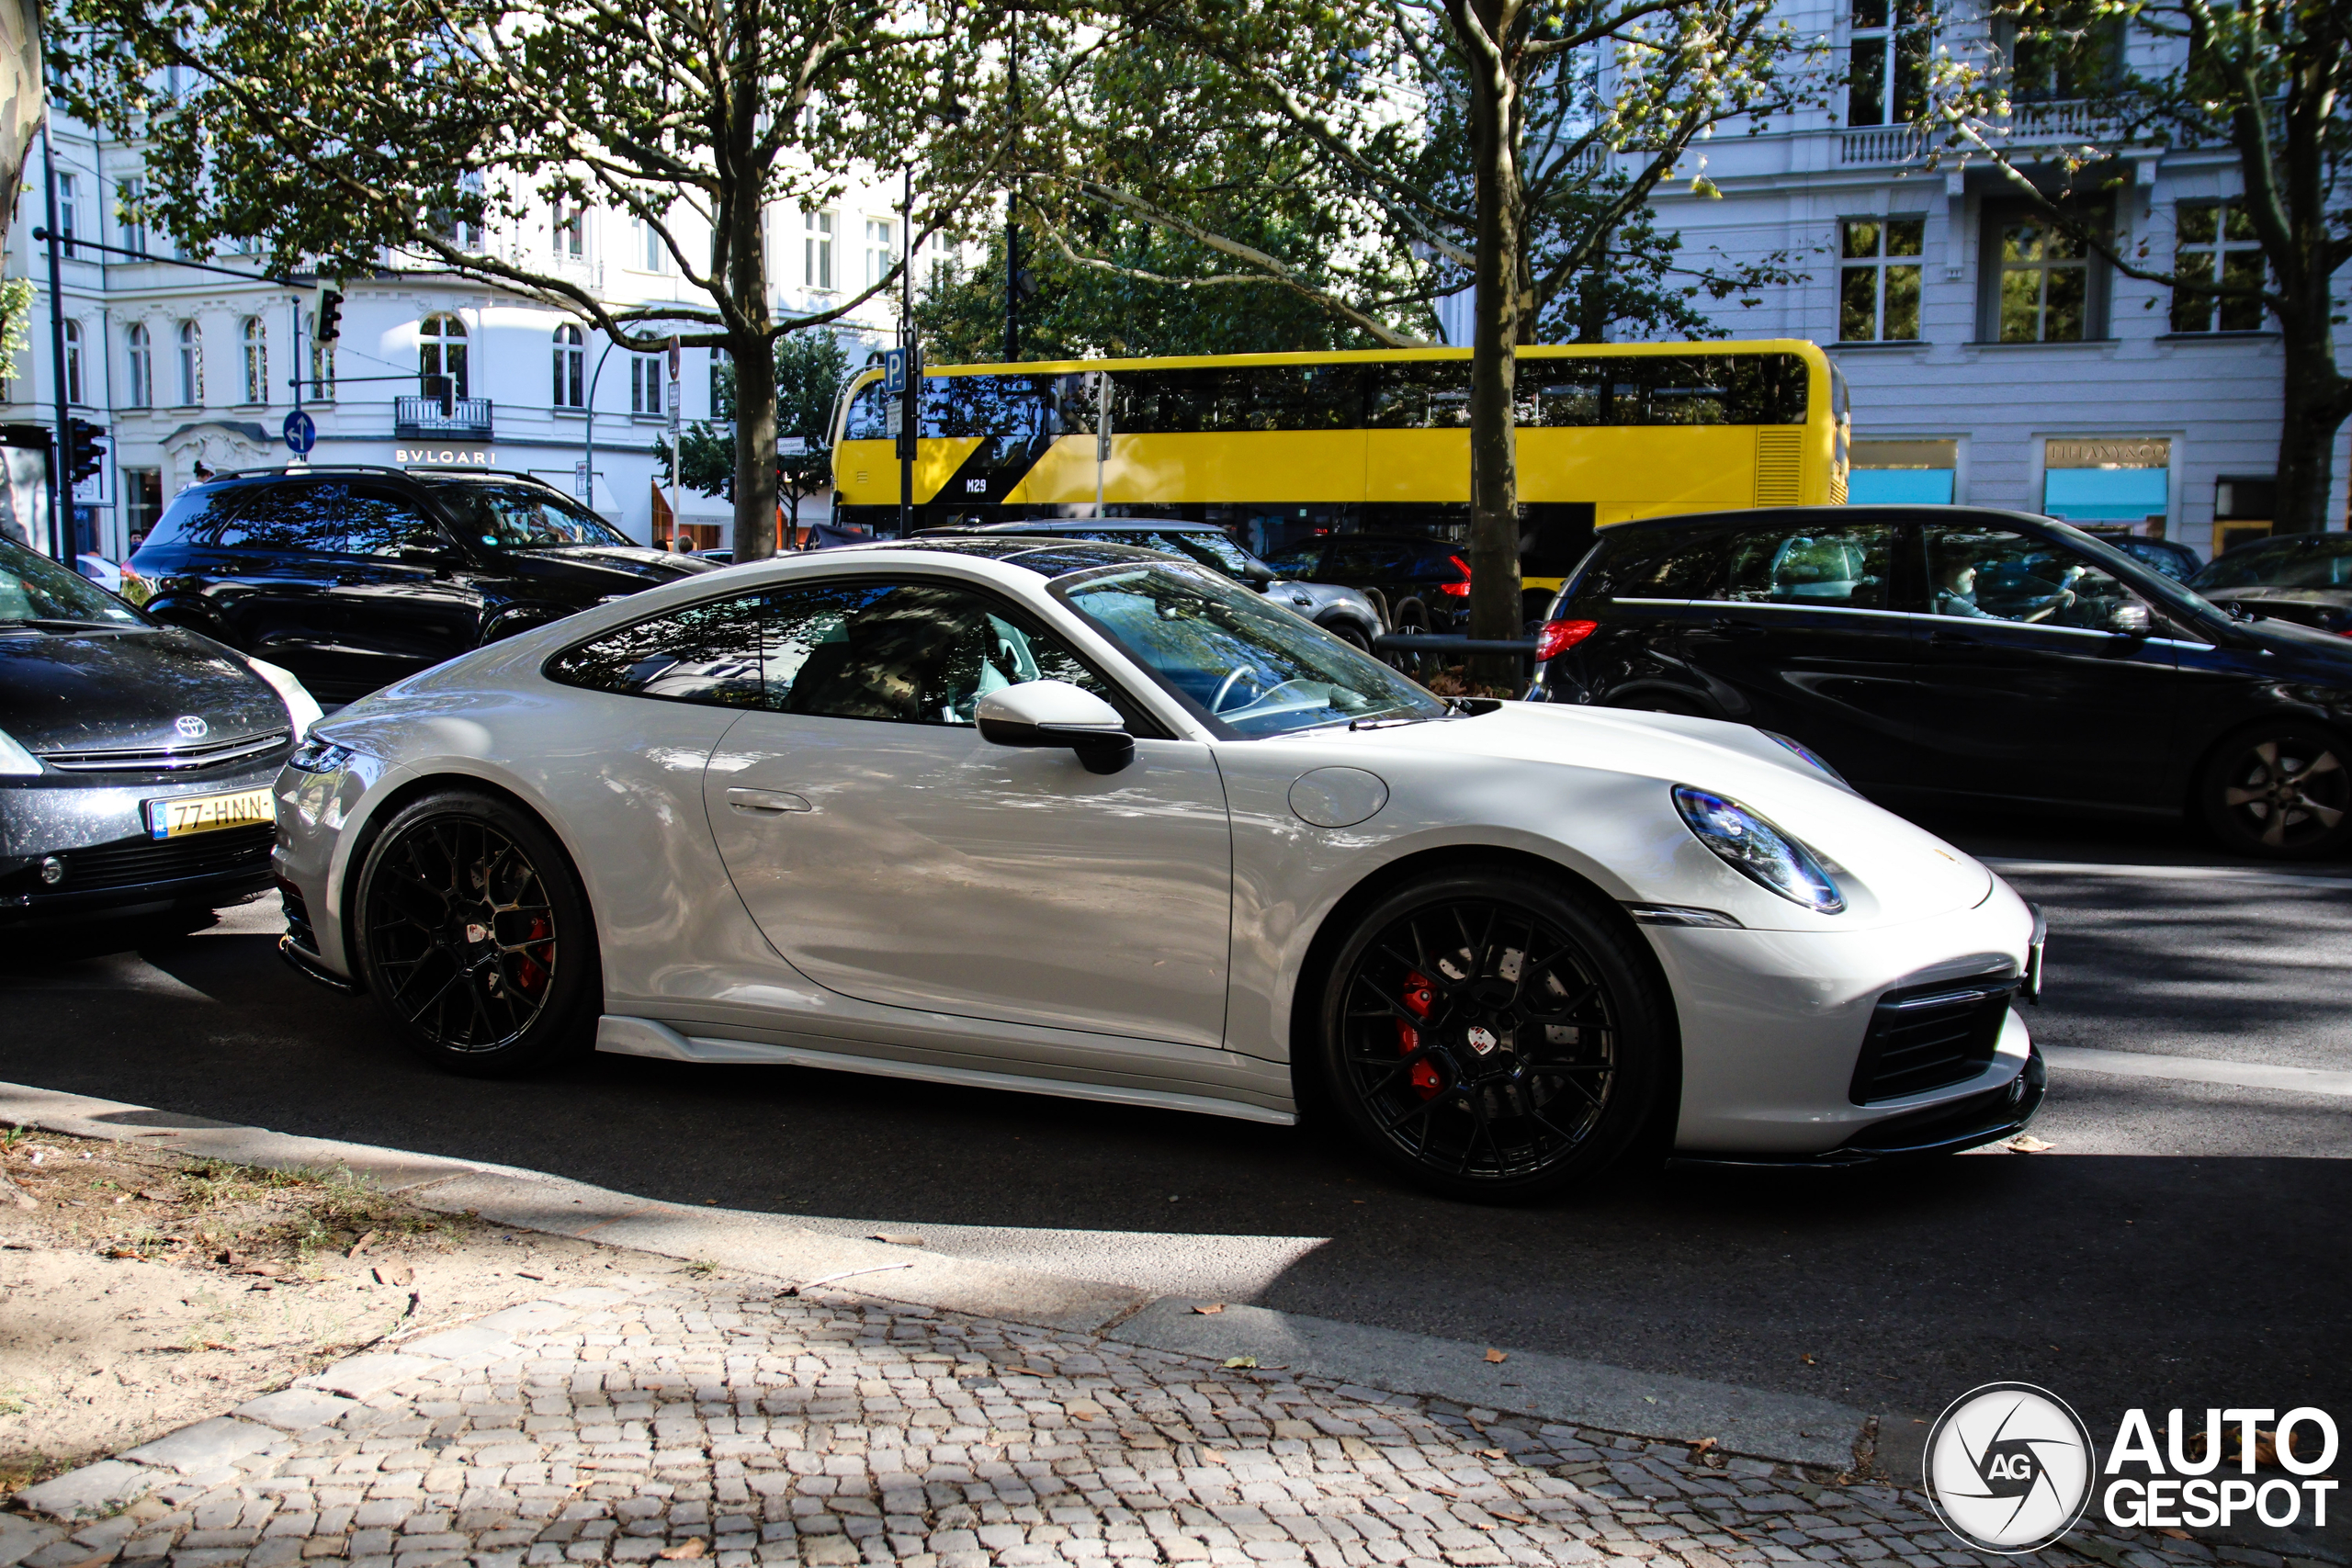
(1956, 653)
(355, 577)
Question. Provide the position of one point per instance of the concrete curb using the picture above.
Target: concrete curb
(1791, 1428)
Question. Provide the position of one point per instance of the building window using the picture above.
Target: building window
(1903, 473)
(191, 365)
(68, 205)
(142, 502)
(2216, 243)
(2043, 287)
(73, 363)
(2058, 50)
(322, 362)
(570, 231)
(131, 194)
(464, 233)
(1887, 84)
(256, 340)
(645, 374)
(570, 367)
(1878, 282)
(141, 355)
(881, 248)
(441, 356)
(654, 255)
(2112, 480)
(722, 396)
(816, 250)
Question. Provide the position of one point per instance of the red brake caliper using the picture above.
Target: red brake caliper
(527, 972)
(1418, 998)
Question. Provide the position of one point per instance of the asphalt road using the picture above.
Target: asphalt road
(2183, 1243)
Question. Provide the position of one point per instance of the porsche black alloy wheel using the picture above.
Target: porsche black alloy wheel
(2283, 791)
(1493, 1036)
(475, 939)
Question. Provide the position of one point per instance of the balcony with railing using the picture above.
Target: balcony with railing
(445, 418)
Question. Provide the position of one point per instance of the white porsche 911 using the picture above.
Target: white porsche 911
(1080, 820)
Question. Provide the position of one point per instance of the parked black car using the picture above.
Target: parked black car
(136, 760)
(2176, 561)
(355, 577)
(1423, 583)
(1957, 654)
(1345, 613)
(2303, 577)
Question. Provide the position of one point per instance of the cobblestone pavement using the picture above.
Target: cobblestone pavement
(716, 1419)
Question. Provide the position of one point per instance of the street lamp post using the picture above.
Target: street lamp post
(588, 445)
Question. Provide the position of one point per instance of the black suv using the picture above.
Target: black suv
(1959, 652)
(355, 577)
(1423, 583)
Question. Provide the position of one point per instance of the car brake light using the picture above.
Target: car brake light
(1558, 636)
(1457, 590)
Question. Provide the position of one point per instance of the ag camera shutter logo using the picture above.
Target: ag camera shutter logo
(2009, 1468)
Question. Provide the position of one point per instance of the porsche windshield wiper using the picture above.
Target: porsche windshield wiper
(61, 623)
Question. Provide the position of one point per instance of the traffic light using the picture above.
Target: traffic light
(85, 450)
(330, 316)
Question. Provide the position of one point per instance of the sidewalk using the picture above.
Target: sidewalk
(649, 1421)
(621, 1405)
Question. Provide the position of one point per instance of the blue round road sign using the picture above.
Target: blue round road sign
(302, 435)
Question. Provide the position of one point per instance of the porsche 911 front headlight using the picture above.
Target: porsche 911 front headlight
(1759, 851)
(318, 756)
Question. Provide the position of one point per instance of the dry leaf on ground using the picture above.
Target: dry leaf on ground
(1497, 1356)
(686, 1550)
(2026, 1143)
(1241, 1360)
(1209, 1309)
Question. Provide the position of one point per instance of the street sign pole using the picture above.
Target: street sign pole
(61, 455)
(912, 371)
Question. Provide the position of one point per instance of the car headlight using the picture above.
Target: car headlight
(301, 706)
(15, 761)
(317, 756)
(1758, 851)
(1809, 754)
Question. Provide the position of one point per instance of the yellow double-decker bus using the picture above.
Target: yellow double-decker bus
(1281, 446)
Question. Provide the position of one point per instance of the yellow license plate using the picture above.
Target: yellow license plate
(183, 814)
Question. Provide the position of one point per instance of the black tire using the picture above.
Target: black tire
(1451, 1058)
(474, 938)
(2282, 791)
(1351, 634)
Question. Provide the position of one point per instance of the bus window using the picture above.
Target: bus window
(1016, 408)
(1713, 388)
(1426, 394)
(1204, 402)
(866, 415)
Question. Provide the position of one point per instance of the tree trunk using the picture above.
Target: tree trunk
(755, 481)
(1481, 27)
(2315, 399)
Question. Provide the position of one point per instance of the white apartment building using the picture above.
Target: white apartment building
(1988, 363)
(184, 367)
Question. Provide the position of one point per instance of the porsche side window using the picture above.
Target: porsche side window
(908, 653)
(705, 653)
(1845, 567)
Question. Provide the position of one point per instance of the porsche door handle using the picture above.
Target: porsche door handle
(765, 802)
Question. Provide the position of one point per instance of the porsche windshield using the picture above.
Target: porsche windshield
(1250, 665)
(37, 592)
(521, 517)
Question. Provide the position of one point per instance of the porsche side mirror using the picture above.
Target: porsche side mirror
(2128, 619)
(1055, 713)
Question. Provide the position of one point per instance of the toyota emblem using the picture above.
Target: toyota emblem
(191, 728)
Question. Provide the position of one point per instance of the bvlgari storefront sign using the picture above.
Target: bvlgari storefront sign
(2109, 452)
(444, 456)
